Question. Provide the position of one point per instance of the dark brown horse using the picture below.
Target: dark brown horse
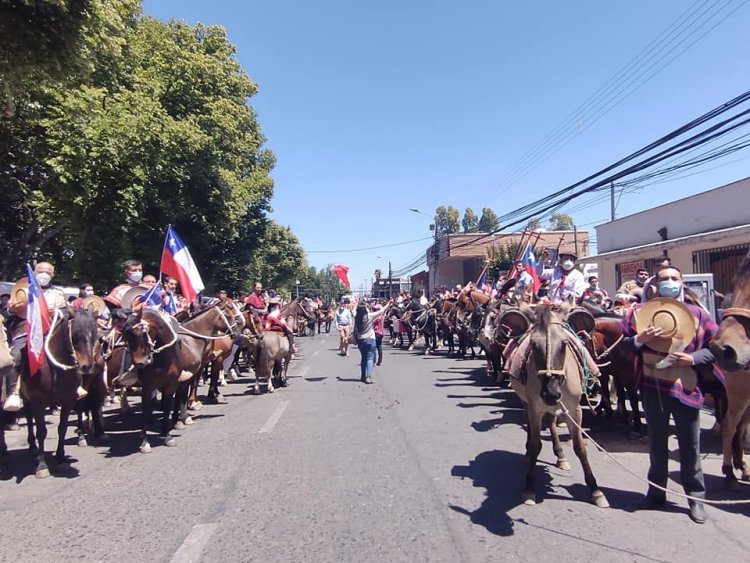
(154, 348)
(553, 381)
(731, 347)
(69, 354)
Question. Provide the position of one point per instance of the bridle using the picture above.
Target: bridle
(736, 312)
(146, 328)
(230, 325)
(548, 371)
(58, 317)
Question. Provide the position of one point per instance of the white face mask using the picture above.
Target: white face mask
(44, 279)
(135, 277)
(567, 265)
(88, 293)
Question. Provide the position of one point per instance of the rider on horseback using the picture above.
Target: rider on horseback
(255, 300)
(273, 321)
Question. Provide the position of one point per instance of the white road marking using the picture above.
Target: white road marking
(196, 540)
(315, 353)
(274, 418)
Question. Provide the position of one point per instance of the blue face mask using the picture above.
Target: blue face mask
(670, 288)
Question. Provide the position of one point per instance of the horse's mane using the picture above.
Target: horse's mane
(743, 273)
(598, 312)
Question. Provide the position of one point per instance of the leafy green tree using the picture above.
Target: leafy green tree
(561, 222)
(470, 222)
(446, 220)
(488, 222)
(533, 225)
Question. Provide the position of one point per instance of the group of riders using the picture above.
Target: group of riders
(492, 316)
(502, 318)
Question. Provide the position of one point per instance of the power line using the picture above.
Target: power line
(368, 247)
(616, 90)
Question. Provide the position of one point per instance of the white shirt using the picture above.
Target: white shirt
(564, 284)
(423, 300)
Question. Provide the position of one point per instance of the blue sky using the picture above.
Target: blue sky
(375, 108)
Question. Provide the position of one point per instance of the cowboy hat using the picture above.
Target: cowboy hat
(96, 303)
(130, 296)
(673, 317)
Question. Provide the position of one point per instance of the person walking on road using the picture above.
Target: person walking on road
(379, 327)
(344, 322)
(364, 332)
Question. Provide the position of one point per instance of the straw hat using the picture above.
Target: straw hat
(673, 317)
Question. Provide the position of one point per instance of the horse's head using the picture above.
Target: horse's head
(548, 343)
(140, 343)
(731, 345)
(233, 313)
(83, 333)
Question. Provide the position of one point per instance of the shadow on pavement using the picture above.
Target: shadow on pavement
(501, 473)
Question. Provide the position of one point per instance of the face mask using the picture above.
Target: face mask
(135, 277)
(44, 279)
(640, 282)
(670, 288)
(88, 293)
(567, 265)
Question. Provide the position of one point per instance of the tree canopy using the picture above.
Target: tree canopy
(488, 222)
(470, 222)
(446, 220)
(149, 125)
(561, 222)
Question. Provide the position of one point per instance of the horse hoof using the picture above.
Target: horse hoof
(529, 499)
(196, 406)
(179, 425)
(598, 498)
(170, 442)
(42, 473)
(188, 421)
(145, 448)
(563, 464)
(82, 443)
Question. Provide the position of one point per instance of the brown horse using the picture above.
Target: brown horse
(553, 381)
(731, 347)
(297, 318)
(154, 348)
(69, 352)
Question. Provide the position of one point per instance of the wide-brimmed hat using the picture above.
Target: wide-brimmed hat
(673, 317)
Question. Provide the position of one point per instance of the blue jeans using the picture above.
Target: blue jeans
(367, 349)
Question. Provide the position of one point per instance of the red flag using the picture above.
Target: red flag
(340, 270)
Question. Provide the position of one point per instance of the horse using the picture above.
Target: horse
(325, 317)
(154, 347)
(553, 381)
(198, 338)
(426, 324)
(731, 348)
(297, 317)
(272, 357)
(69, 353)
(222, 348)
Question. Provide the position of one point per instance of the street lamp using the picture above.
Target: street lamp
(297, 290)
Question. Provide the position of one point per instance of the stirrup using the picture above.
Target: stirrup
(185, 375)
(81, 392)
(13, 403)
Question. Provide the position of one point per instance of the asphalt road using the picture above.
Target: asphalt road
(427, 464)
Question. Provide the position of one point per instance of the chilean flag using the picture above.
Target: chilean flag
(37, 322)
(340, 270)
(530, 263)
(177, 262)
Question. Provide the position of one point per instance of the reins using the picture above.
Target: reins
(50, 356)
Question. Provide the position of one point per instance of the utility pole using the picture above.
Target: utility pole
(390, 280)
(575, 238)
(612, 200)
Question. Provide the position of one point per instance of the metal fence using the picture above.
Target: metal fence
(722, 262)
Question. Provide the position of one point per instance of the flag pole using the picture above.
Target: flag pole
(520, 250)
